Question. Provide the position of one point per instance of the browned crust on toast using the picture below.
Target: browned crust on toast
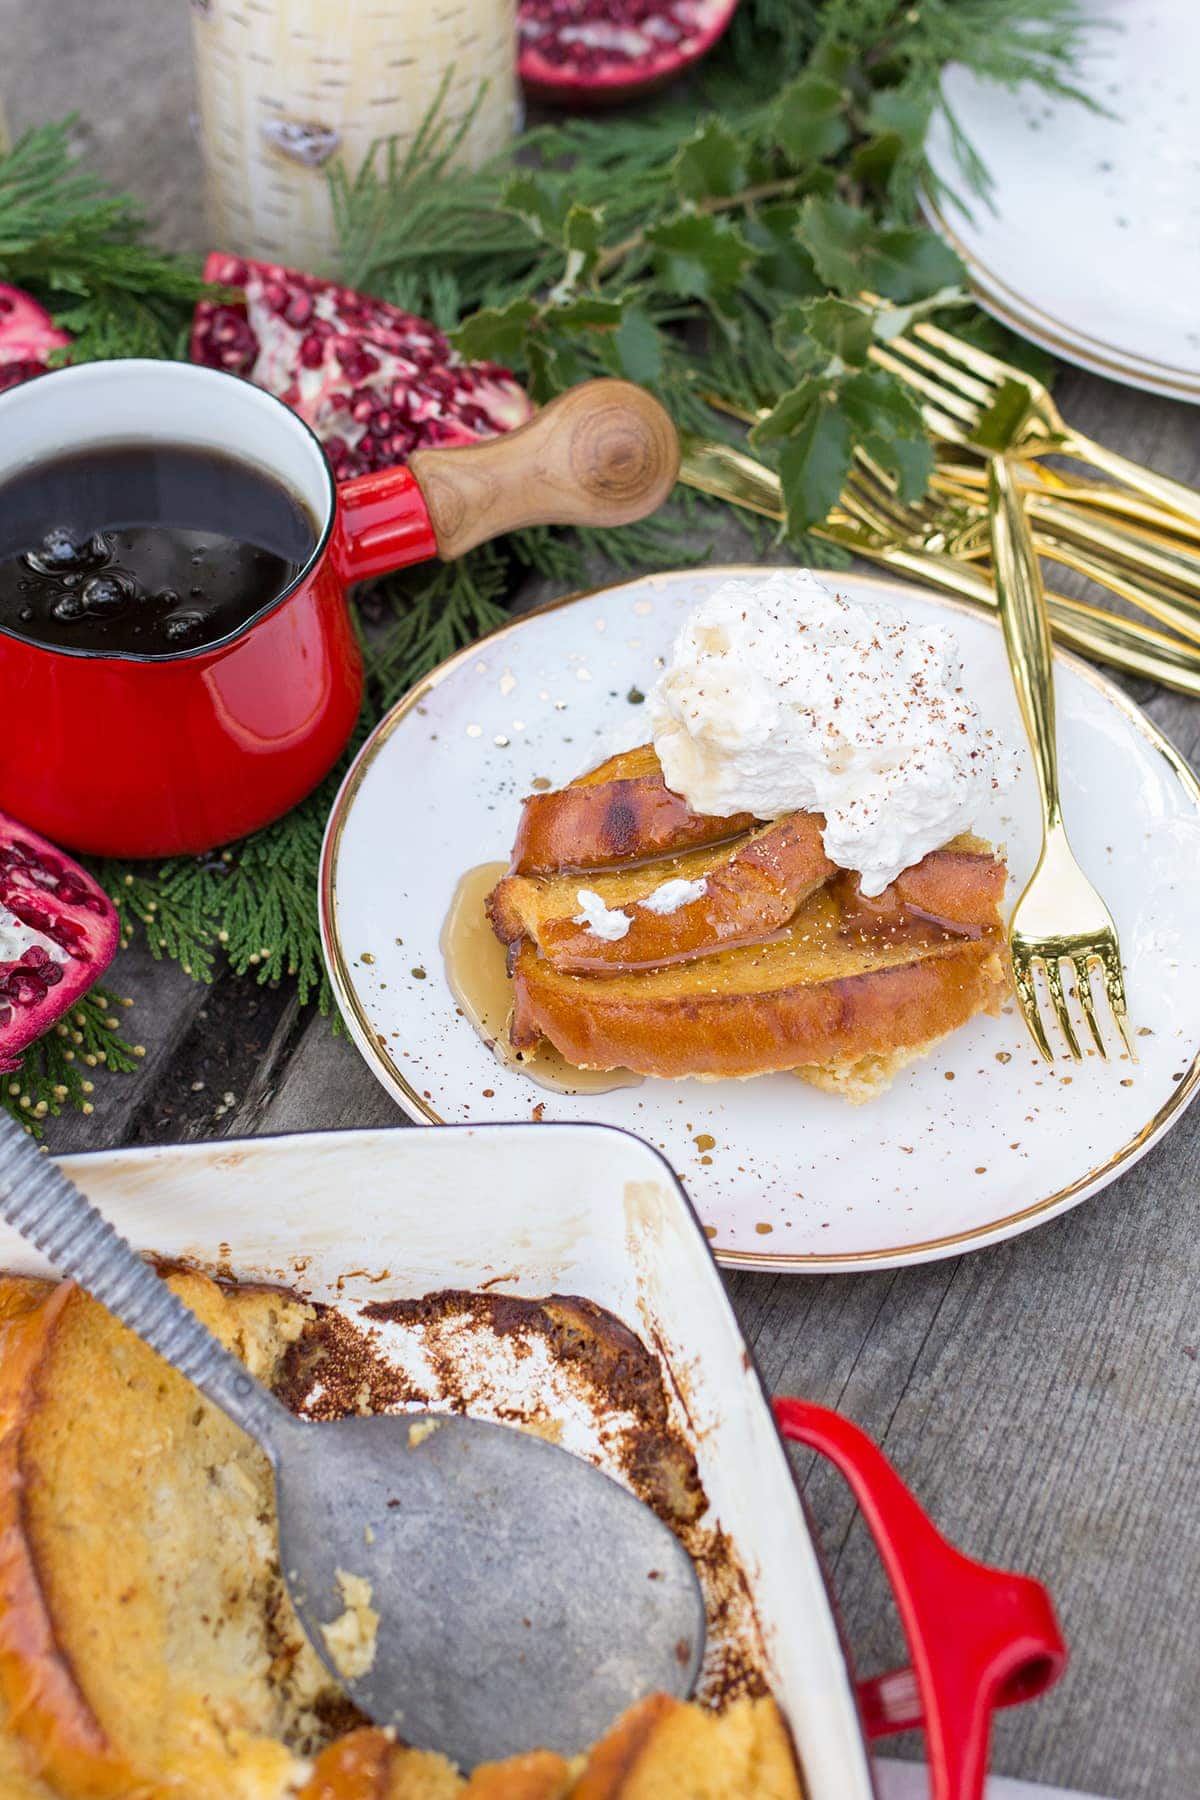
(831, 1023)
(621, 812)
(750, 892)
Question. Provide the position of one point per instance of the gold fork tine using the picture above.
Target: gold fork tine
(1058, 1000)
(1083, 985)
(945, 375)
(989, 369)
(946, 402)
(1114, 986)
(1027, 1000)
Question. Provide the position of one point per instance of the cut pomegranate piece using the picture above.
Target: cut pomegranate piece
(27, 336)
(58, 934)
(598, 52)
(375, 383)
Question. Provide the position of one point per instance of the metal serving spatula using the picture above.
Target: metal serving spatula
(523, 1597)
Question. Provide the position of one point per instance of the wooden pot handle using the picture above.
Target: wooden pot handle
(604, 453)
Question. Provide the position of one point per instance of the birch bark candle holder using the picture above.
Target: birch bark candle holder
(286, 86)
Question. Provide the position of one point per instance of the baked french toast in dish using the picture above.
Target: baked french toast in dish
(642, 935)
(148, 1648)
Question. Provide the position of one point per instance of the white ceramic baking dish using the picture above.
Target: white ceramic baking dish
(357, 1217)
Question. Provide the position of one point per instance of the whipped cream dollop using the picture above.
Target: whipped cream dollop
(609, 923)
(781, 696)
(669, 896)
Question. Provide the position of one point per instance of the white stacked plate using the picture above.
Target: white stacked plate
(1089, 240)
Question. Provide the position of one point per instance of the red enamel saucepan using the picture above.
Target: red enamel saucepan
(132, 755)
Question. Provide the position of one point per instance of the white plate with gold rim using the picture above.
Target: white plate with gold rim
(977, 1142)
(1089, 242)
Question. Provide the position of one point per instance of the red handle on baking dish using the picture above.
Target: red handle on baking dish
(979, 1637)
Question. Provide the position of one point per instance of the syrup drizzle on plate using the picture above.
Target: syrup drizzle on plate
(475, 966)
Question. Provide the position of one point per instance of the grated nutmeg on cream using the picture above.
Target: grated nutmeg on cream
(782, 696)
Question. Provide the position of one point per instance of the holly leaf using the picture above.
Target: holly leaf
(639, 347)
(886, 421)
(783, 261)
(709, 165)
(586, 312)
(541, 207)
(810, 118)
(901, 113)
(851, 253)
(832, 60)
(908, 262)
(699, 256)
(581, 241)
(838, 329)
(554, 365)
(496, 333)
(838, 238)
(814, 457)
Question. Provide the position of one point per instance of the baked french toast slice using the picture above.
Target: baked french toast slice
(745, 892)
(147, 1645)
(370, 1765)
(663, 1749)
(20, 1298)
(618, 813)
(843, 994)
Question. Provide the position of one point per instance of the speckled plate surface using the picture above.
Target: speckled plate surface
(1091, 243)
(974, 1144)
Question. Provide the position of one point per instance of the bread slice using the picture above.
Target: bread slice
(20, 1297)
(847, 980)
(147, 1645)
(369, 1765)
(620, 812)
(663, 1749)
(749, 891)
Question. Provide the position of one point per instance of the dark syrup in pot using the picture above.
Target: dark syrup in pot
(145, 548)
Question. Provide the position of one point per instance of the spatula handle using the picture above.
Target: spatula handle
(49, 1211)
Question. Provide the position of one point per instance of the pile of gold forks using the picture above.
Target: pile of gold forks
(993, 512)
(1134, 537)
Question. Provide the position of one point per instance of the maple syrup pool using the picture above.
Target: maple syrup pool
(146, 549)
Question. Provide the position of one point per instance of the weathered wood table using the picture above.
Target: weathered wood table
(1042, 1397)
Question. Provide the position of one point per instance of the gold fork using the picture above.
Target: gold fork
(958, 525)
(971, 397)
(1084, 498)
(1060, 917)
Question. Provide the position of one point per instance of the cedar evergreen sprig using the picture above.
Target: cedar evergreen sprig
(711, 247)
(58, 1070)
(84, 252)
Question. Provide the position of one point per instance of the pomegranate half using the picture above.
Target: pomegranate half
(27, 336)
(585, 53)
(58, 934)
(374, 382)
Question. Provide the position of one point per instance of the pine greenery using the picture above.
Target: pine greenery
(711, 248)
